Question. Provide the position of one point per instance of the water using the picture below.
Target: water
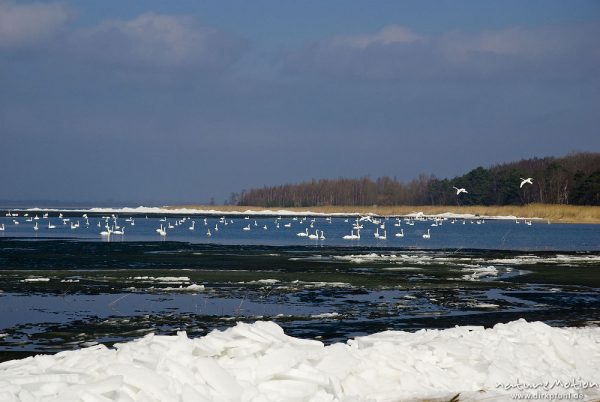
(471, 234)
(68, 288)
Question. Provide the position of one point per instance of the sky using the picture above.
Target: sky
(180, 101)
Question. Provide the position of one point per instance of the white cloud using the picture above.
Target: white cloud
(158, 40)
(24, 25)
(389, 35)
(508, 42)
(545, 52)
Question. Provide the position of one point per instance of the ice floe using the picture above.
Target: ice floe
(264, 281)
(557, 259)
(326, 315)
(162, 279)
(258, 362)
(421, 258)
(322, 284)
(480, 272)
(181, 288)
(35, 280)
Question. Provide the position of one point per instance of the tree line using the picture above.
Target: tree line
(573, 179)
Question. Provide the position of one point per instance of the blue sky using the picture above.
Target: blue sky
(180, 101)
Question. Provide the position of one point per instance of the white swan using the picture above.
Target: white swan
(314, 236)
(208, 233)
(247, 227)
(2, 228)
(352, 236)
(119, 232)
(383, 236)
(51, 226)
(106, 232)
(36, 228)
(322, 237)
(193, 225)
(460, 190)
(376, 234)
(427, 235)
(303, 234)
(525, 181)
(161, 231)
(401, 233)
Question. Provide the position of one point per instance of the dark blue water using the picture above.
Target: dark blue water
(462, 234)
(65, 288)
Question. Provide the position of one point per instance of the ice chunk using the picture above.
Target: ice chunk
(259, 362)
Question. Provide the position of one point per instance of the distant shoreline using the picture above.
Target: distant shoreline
(552, 212)
(543, 212)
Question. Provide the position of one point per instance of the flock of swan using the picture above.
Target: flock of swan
(111, 226)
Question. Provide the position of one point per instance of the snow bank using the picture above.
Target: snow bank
(192, 211)
(258, 362)
(263, 212)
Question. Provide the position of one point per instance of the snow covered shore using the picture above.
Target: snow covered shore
(263, 212)
(258, 362)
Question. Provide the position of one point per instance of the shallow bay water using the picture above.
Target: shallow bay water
(70, 288)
